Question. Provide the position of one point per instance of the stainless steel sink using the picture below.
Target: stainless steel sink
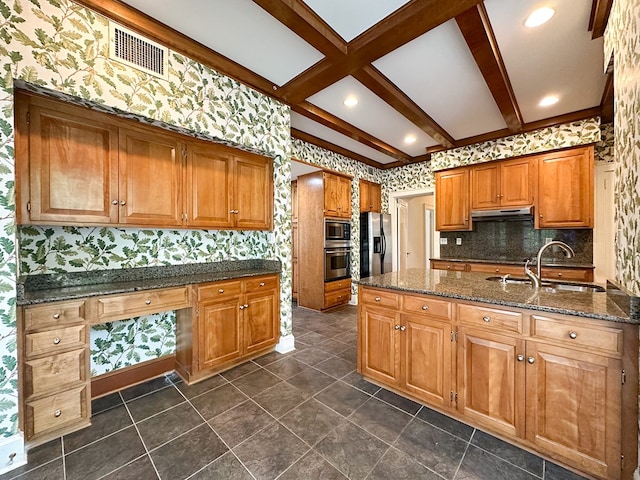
(551, 287)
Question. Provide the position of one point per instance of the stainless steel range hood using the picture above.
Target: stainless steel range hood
(503, 214)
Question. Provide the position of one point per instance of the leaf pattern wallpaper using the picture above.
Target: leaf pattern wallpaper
(61, 46)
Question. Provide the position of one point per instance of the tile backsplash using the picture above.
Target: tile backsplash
(515, 241)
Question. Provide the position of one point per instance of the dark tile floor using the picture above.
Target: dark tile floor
(303, 415)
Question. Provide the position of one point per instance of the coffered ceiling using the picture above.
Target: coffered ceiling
(447, 73)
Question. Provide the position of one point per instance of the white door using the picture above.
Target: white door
(429, 216)
(403, 233)
(604, 255)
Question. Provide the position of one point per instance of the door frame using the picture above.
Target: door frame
(393, 210)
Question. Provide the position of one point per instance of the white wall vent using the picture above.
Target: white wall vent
(138, 52)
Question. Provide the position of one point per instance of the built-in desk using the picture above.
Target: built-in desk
(55, 313)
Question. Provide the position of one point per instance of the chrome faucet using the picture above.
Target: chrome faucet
(537, 278)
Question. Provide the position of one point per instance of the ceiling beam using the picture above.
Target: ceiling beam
(477, 32)
(600, 11)
(606, 104)
(375, 81)
(331, 121)
(405, 24)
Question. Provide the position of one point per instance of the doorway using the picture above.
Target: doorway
(413, 228)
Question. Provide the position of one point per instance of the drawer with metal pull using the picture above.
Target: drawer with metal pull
(260, 283)
(582, 334)
(54, 412)
(429, 306)
(55, 340)
(53, 314)
(54, 372)
(219, 290)
(382, 298)
(119, 307)
(492, 318)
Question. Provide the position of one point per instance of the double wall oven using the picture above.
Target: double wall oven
(337, 249)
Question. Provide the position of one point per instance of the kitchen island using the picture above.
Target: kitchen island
(549, 370)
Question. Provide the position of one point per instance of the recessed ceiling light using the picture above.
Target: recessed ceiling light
(409, 139)
(539, 16)
(548, 101)
(351, 101)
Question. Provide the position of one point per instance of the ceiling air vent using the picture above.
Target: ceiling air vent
(136, 51)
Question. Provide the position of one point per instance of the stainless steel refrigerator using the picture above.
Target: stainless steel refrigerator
(375, 244)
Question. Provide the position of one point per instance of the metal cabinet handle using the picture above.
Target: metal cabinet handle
(262, 284)
(531, 359)
(403, 328)
(559, 274)
(123, 202)
(573, 335)
(56, 341)
(241, 307)
(114, 202)
(56, 316)
(397, 327)
(57, 413)
(377, 299)
(246, 306)
(486, 318)
(425, 307)
(148, 302)
(520, 357)
(221, 290)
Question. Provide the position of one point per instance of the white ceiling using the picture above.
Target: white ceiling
(436, 71)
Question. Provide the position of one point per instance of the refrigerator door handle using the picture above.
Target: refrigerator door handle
(384, 244)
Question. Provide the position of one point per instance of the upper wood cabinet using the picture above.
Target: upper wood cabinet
(502, 184)
(565, 189)
(452, 200)
(370, 197)
(76, 166)
(337, 195)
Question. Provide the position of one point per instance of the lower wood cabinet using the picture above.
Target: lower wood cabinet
(336, 293)
(232, 322)
(549, 382)
(571, 274)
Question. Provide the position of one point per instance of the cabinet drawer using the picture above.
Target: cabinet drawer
(337, 285)
(492, 318)
(53, 314)
(443, 265)
(54, 341)
(570, 274)
(219, 290)
(260, 283)
(118, 307)
(382, 298)
(497, 269)
(56, 411)
(570, 333)
(337, 298)
(429, 306)
(54, 372)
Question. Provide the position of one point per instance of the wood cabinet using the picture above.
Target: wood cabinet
(502, 184)
(452, 200)
(337, 293)
(76, 166)
(549, 382)
(337, 195)
(233, 321)
(53, 349)
(370, 197)
(295, 242)
(565, 189)
(446, 265)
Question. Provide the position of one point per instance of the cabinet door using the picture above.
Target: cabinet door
(261, 320)
(209, 187)
(344, 197)
(150, 190)
(365, 196)
(73, 164)
(375, 197)
(575, 410)
(491, 380)
(565, 189)
(219, 332)
(485, 186)
(452, 200)
(330, 195)
(380, 344)
(516, 180)
(294, 201)
(253, 192)
(426, 359)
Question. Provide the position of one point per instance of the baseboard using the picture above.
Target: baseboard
(636, 474)
(286, 344)
(127, 376)
(12, 454)
(354, 299)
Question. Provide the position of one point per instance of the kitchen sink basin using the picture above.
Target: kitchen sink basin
(551, 287)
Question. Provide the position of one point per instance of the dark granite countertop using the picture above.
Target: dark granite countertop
(475, 287)
(567, 264)
(35, 289)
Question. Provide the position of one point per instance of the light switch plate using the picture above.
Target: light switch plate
(458, 241)
(443, 241)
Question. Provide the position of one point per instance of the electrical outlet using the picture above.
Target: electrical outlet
(443, 241)
(548, 240)
(458, 241)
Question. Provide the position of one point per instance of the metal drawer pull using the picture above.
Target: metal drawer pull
(56, 316)
(573, 335)
(221, 290)
(377, 299)
(148, 302)
(486, 318)
(403, 328)
(241, 307)
(114, 202)
(123, 203)
(246, 306)
(56, 341)
(425, 307)
(531, 359)
(262, 284)
(57, 413)
(520, 357)
(397, 327)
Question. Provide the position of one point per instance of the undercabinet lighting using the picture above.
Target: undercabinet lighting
(351, 101)
(539, 16)
(409, 139)
(548, 101)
